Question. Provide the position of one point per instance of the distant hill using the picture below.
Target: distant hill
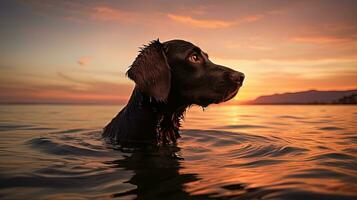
(309, 97)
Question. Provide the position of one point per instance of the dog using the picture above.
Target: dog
(170, 77)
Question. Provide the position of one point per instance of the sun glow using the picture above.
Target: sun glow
(73, 52)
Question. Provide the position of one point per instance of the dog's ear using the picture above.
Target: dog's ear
(151, 72)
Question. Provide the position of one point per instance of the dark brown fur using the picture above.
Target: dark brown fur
(167, 83)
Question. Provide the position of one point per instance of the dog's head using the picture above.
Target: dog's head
(181, 68)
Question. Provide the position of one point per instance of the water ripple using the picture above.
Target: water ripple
(303, 152)
(335, 156)
(330, 128)
(49, 146)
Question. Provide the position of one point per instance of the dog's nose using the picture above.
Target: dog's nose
(237, 77)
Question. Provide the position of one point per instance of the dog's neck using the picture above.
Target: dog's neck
(145, 120)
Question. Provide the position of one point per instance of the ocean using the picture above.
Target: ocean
(225, 152)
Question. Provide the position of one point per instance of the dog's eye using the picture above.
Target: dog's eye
(194, 58)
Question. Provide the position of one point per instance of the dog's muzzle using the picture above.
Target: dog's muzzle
(237, 77)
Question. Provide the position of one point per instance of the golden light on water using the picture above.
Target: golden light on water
(225, 151)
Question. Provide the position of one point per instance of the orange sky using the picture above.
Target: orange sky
(78, 52)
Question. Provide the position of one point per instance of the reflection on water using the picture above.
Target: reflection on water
(226, 152)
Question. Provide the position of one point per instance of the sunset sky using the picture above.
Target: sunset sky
(79, 51)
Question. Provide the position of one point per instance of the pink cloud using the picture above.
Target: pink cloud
(66, 90)
(212, 23)
(252, 18)
(320, 39)
(83, 61)
(199, 22)
(105, 13)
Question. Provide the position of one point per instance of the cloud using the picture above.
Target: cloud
(73, 19)
(105, 13)
(83, 61)
(320, 39)
(290, 64)
(286, 81)
(65, 94)
(212, 24)
(70, 79)
(199, 22)
(252, 18)
(67, 89)
(80, 12)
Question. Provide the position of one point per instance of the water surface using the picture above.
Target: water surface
(226, 152)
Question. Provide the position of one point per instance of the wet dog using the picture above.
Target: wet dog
(170, 77)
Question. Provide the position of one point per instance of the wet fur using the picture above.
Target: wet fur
(160, 97)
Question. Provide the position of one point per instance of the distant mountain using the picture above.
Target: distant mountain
(309, 97)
